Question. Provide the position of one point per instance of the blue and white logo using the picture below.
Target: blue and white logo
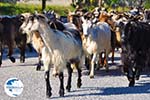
(13, 87)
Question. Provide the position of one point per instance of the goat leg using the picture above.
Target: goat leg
(70, 70)
(48, 87)
(61, 78)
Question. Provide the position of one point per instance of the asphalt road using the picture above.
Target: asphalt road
(105, 86)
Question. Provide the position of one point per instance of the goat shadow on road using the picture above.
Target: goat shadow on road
(141, 89)
(16, 54)
(114, 70)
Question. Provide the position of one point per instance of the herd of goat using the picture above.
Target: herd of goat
(82, 37)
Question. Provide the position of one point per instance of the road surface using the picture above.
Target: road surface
(105, 86)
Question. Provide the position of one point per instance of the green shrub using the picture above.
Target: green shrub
(62, 10)
(13, 9)
(147, 4)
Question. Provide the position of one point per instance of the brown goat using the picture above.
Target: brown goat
(10, 36)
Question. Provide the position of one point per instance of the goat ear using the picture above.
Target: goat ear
(35, 12)
(44, 12)
(49, 11)
(52, 12)
(69, 12)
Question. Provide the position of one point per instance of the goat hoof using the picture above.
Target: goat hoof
(131, 84)
(92, 76)
(48, 95)
(38, 68)
(97, 68)
(22, 59)
(12, 59)
(79, 85)
(107, 71)
(68, 88)
(61, 93)
(137, 77)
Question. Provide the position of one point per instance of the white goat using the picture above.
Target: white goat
(35, 39)
(63, 49)
(96, 39)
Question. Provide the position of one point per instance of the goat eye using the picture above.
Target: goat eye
(31, 18)
(22, 18)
